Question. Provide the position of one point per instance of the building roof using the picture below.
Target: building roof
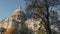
(18, 11)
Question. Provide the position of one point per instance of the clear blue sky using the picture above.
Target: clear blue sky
(8, 6)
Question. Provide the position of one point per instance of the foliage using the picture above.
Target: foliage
(24, 29)
(41, 32)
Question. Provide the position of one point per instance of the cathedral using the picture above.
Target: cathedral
(14, 21)
(19, 18)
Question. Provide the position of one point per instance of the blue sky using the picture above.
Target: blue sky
(7, 7)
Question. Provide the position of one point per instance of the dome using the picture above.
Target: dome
(17, 11)
(18, 14)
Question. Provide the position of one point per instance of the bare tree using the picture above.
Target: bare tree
(42, 9)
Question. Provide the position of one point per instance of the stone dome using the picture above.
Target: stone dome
(18, 14)
(18, 11)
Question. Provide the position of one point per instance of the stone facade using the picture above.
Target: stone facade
(4, 23)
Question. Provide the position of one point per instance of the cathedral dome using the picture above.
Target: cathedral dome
(18, 14)
(17, 11)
